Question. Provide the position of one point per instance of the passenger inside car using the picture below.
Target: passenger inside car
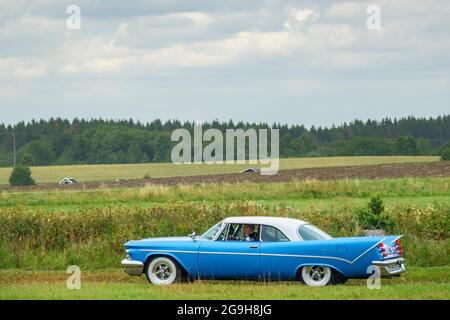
(249, 233)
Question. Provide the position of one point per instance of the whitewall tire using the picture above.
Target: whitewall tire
(162, 271)
(317, 276)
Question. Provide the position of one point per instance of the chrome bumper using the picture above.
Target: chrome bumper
(133, 267)
(390, 267)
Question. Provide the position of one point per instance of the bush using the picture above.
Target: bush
(373, 216)
(445, 154)
(21, 176)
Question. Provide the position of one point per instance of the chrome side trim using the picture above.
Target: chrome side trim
(229, 253)
(304, 256)
(262, 254)
(202, 252)
(170, 251)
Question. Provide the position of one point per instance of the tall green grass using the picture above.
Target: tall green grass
(92, 237)
(311, 189)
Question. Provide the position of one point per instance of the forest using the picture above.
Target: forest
(98, 141)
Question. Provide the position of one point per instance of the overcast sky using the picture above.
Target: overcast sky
(305, 62)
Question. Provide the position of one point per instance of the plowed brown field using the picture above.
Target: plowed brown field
(383, 171)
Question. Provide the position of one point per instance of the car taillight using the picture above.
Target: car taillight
(399, 247)
(382, 249)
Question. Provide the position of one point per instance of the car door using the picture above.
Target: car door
(229, 259)
(275, 263)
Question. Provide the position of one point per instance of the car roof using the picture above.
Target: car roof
(263, 220)
(288, 226)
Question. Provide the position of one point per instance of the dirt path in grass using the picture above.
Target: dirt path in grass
(381, 171)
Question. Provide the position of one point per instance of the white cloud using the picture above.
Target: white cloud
(21, 68)
(324, 36)
(199, 19)
(122, 29)
(173, 21)
(347, 10)
(95, 66)
(303, 15)
(32, 26)
(181, 56)
(331, 44)
(92, 56)
(297, 18)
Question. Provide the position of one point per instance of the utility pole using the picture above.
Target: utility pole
(14, 148)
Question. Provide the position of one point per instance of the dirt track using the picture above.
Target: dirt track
(433, 169)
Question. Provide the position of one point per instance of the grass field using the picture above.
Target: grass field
(326, 195)
(84, 173)
(416, 283)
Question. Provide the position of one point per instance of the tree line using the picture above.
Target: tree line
(98, 141)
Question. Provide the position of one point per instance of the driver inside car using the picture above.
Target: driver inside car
(249, 233)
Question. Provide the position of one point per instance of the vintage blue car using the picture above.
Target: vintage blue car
(271, 248)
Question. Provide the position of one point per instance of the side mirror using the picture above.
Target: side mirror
(193, 235)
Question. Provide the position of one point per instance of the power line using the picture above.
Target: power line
(14, 148)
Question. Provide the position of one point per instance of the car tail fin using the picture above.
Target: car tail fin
(390, 247)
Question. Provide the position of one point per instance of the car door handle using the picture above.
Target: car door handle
(253, 247)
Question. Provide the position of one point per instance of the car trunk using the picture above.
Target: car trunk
(390, 248)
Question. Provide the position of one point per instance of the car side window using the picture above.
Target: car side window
(209, 235)
(222, 235)
(272, 234)
(243, 232)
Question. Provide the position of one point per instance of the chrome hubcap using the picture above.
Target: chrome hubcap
(316, 273)
(162, 271)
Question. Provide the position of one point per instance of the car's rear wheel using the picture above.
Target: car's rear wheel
(316, 276)
(162, 271)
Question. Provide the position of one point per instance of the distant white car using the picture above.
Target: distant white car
(68, 180)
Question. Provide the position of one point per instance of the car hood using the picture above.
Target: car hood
(157, 240)
(168, 239)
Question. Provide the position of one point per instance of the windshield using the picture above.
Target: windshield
(310, 232)
(209, 235)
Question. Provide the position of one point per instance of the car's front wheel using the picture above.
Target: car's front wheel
(162, 271)
(316, 276)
